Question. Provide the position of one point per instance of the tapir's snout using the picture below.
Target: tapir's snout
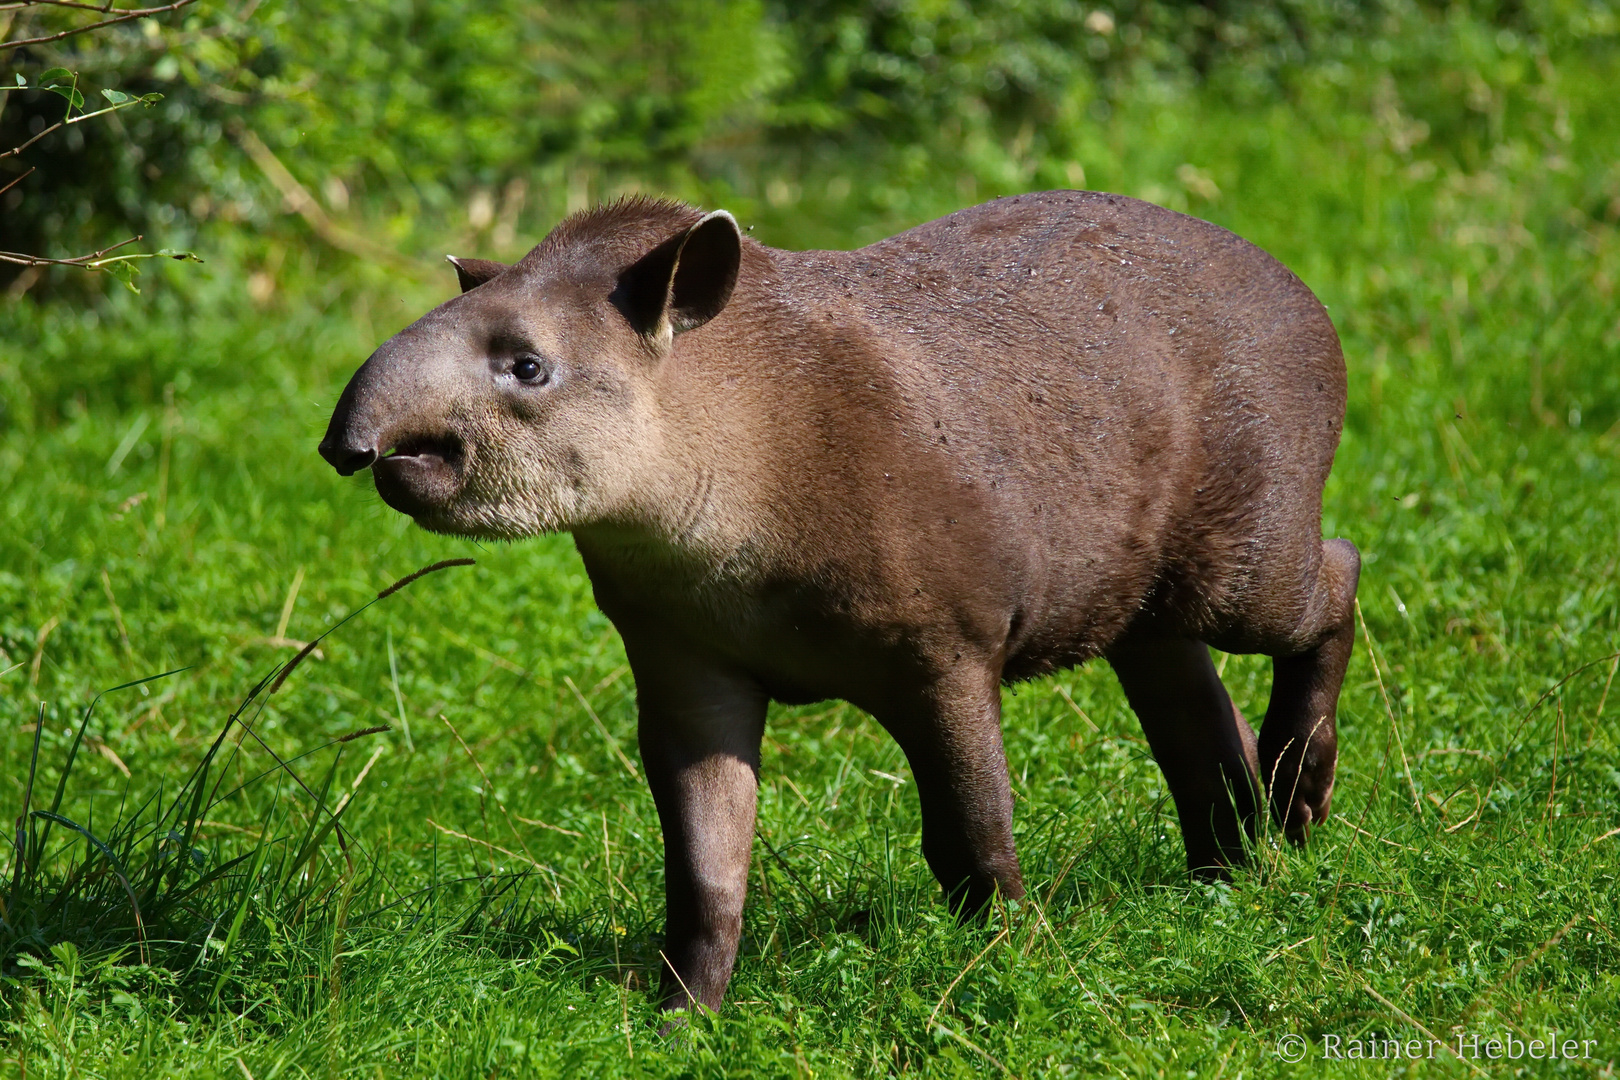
(351, 437)
(391, 419)
(347, 460)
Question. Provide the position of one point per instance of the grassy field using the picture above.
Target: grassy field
(491, 903)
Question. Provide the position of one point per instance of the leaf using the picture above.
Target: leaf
(65, 84)
(241, 911)
(84, 832)
(151, 99)
(124, 271)
(117, 97)
(74, 98)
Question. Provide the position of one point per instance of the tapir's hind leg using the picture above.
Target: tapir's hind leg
(1201, 742)
(1299, 745)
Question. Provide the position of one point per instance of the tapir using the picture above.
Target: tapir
(1049, 428)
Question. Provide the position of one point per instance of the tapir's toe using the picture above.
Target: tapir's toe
(1300, 811)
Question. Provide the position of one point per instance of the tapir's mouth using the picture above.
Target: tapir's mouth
(447, 447)
(421, 473)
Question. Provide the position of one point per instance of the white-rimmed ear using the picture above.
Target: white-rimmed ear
(472, 273)
(683, 282)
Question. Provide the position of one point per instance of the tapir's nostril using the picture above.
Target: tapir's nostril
(347, 460)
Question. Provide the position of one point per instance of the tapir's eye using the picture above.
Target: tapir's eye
(530, 369)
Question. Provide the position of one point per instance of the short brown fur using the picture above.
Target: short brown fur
(1038, 431)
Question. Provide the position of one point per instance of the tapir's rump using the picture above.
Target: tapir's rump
(1038, 431)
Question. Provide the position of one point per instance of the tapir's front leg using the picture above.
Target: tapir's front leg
(700, 731)
(951, 734)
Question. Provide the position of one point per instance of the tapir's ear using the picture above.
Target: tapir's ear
(474, 272)
(683, 282)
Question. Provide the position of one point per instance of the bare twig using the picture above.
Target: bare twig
(1598, 715)
(960, 975)
(101, 8)
(1531, 711)
(18, 180)
(91, 261)
(1400, 744)
(1404, 1015)
(100, 259)
(489, 789)
(1595, 839)
(81, 118)
(123, 16)
(613, 743)
(1380, 839)
(15, 150)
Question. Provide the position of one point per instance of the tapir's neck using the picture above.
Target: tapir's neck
(697, 503)
(738, 429)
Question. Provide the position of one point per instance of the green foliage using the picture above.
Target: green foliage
(428, 117)
(152, 883)
(31, 126)
(405, 105)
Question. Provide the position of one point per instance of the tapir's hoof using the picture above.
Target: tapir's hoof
(1302, 813)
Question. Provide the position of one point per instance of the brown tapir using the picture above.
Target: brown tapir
(1041, 430)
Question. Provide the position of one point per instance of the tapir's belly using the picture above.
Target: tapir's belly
(884, 625)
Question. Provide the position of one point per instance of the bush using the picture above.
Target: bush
(427, 117)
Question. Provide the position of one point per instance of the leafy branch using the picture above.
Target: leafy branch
(119, 15)
(65, 84)
(120, 266)
(75, 99)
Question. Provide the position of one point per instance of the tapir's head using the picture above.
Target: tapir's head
(528, 403)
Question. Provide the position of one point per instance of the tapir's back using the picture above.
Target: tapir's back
(1137, 402)
(1068, 301)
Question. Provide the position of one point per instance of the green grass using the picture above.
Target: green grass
(163, 507)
